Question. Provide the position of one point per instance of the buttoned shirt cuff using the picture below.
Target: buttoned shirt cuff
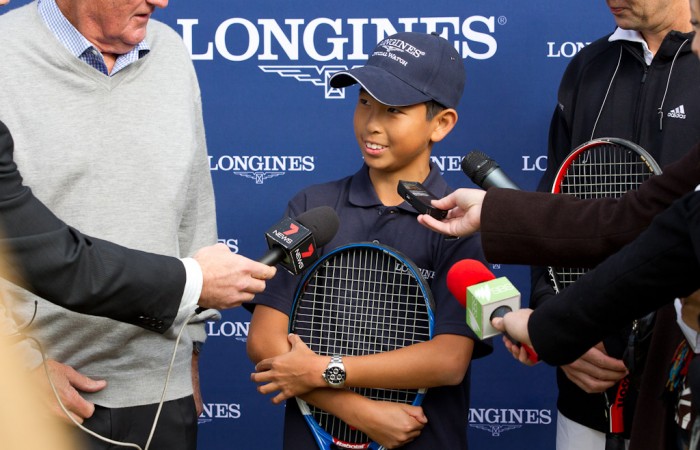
(193, 285)
(690, 335)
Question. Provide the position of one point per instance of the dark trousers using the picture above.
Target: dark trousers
(176, 429)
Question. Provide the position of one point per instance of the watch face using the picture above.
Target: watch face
(335, 375)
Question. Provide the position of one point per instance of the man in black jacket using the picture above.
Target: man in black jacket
(640, 84)
(97, 277)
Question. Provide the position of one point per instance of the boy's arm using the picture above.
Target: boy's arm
(389, 424)
(442, 361)
(267, 335)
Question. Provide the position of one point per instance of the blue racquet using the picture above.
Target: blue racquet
(360, 299)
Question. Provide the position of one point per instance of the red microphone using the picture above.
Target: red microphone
(485, 297)
(465, 273)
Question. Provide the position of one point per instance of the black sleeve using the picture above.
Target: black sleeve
(83, 274)
(659, 266)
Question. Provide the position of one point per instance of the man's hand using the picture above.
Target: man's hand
(463, 216)
(515, 325)
(229, 279)
(595, 371)
(292, 374)
(690, 310)
(68, 383)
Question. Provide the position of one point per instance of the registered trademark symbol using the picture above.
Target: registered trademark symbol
(502, 20)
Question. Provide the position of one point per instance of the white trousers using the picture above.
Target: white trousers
(574, 436)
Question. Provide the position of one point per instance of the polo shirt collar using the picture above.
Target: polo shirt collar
(363, 195)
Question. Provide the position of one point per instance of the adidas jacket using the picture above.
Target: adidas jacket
(655, 106)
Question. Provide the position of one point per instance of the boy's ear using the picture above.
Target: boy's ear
(444, 122)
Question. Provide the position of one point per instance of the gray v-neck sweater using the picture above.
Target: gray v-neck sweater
(122, 158)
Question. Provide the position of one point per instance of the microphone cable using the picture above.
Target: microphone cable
(79, 425)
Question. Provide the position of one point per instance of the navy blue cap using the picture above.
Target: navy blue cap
(409, 68)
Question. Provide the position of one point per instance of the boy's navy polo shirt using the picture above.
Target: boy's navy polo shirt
(364, 218)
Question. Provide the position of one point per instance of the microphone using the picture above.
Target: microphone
(293, 243)
(485, 297)
(485, 172)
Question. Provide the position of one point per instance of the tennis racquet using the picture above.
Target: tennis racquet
(360, 299)
(604, 167)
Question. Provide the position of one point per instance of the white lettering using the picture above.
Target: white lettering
(327, 39)
(263, 163)
(221, 410)
(228, 329)
(540, 164)
(482, 38)
(566, 49)
(447, 163)
(510, 416)
(232, 244)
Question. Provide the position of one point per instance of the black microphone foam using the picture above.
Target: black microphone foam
(323, 223)
(294, 243)
(485, 172)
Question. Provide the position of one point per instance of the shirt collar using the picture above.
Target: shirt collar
(632, 36)
(362, 193)
(78, 45)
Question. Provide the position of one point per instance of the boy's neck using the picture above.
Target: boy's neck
(386, 184)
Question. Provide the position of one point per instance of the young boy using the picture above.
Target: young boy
(409, 89)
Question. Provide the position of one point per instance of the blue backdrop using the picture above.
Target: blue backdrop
(273, 127)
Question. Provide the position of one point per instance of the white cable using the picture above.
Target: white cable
(92, 433)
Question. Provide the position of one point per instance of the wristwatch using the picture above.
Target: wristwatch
(334, 375)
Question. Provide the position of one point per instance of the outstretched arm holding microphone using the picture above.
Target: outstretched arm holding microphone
(94, 276)
(659, 266)
(516, 226)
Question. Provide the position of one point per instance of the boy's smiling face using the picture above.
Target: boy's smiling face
(394, 138)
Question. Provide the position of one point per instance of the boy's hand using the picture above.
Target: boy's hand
(292, 374)
(391, 424)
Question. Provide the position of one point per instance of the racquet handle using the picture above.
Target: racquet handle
(502, 311)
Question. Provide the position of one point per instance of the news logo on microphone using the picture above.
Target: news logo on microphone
(484, 300)
(297, 240)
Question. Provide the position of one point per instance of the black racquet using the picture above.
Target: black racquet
(605, 167)
(360, 299)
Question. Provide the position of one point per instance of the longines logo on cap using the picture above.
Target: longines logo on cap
(393, 46)
(336, 43)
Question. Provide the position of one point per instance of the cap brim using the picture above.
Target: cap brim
(380, 84)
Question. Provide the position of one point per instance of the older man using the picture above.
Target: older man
(105, 109)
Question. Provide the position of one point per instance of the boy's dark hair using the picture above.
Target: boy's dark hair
(433, 108)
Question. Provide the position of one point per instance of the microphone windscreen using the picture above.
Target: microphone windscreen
(323, 223)
(465, 273)
(476, 165)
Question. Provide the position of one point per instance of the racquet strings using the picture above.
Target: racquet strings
(359, 302)
(604, 170)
